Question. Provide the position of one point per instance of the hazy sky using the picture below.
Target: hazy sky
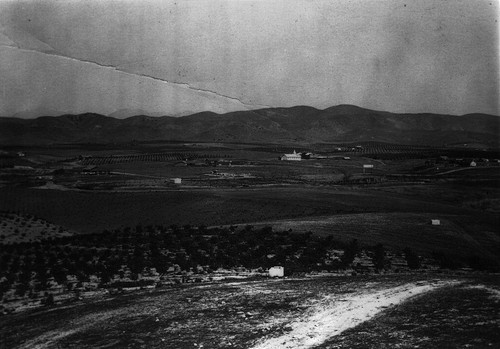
(179, 57)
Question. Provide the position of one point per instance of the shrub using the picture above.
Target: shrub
(378, 258)
(447, 261)
(412, 259)
(48, 300)
(350, 251)
(481, 263)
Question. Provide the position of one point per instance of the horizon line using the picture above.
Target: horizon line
(159, 115)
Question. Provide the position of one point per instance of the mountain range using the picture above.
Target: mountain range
(300, 124)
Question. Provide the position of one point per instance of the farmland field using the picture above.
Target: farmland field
(93, 212)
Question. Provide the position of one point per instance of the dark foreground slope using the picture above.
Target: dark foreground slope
(297, 124)
(458, 312)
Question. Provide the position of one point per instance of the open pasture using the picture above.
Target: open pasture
(456, 234)
(482, 195)
(95, 211)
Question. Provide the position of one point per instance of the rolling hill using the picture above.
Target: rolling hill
(301, 124)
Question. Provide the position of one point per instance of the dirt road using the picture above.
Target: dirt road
(271, 314)
(335, 314)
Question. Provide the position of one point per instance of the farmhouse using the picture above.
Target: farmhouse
(291, 157)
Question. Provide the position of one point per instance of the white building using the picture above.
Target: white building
(277, 271)
(291, 157)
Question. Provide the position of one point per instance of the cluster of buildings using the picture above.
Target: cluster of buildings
(307, 155)
(445, 160)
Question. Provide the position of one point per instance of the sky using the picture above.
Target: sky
(181, 57)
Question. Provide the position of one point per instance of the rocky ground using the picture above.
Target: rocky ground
(323, 312)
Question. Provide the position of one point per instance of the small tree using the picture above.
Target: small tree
(378, 258)
(105, 277)
(21, 289)
(48, 300)
(59, 273)
(350, 252)
(412, 259)
(446, 261)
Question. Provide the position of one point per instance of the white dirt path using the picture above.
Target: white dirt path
(494, 292)
(335, 314)
(51, 338)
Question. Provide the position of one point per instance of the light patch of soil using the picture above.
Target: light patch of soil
(494, 293)
(52, 186)
(334, 314)
(51, 338)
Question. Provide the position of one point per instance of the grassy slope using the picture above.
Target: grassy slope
(457, 234)
(393, 219)
(454, 317)
(89, 210)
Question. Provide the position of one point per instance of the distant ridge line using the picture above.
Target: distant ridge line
(298, 124)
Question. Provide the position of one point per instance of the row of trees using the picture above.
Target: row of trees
(149, 157)
(30, 266)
